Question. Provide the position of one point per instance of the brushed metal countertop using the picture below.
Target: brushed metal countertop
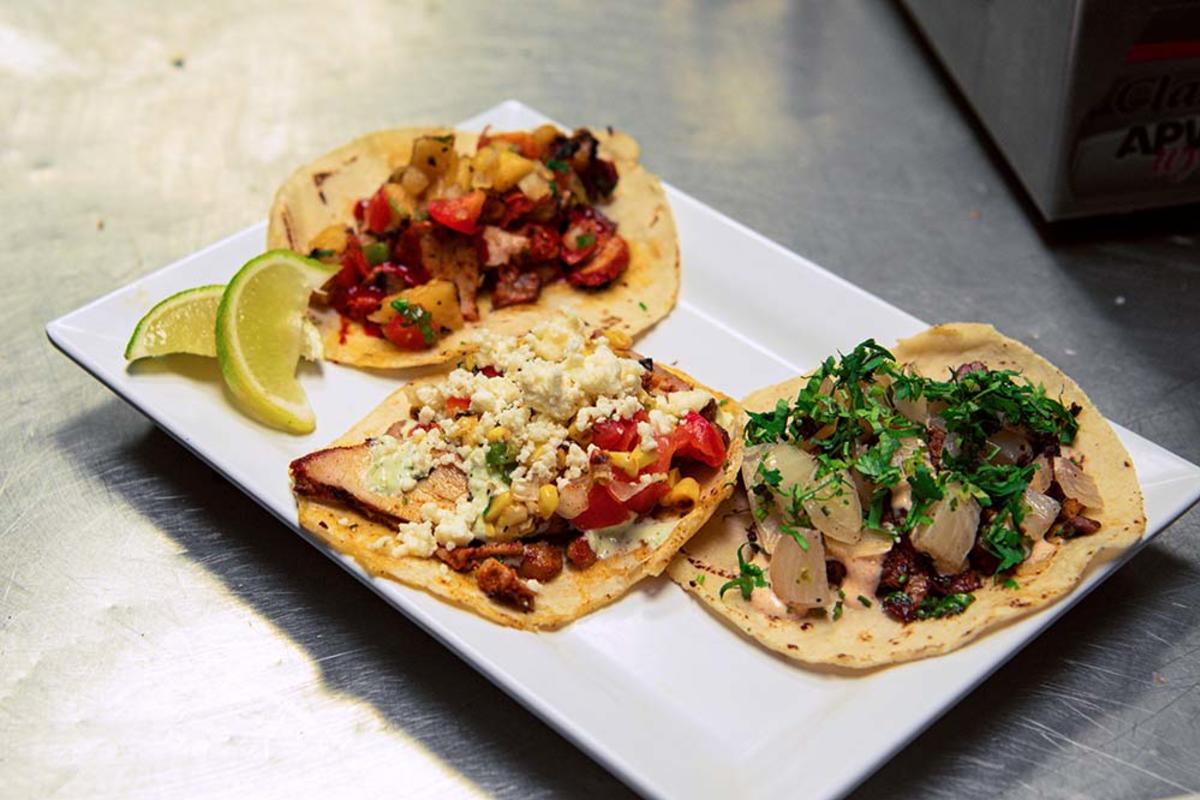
(162, 636)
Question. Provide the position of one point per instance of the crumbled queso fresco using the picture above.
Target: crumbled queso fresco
(551, 381)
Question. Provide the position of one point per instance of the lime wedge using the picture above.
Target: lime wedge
(183, 323)
(259, 336)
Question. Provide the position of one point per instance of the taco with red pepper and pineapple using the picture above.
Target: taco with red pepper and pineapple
(537, 481)
(897, 505)
(439, 232)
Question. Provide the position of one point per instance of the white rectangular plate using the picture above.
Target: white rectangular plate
(660, 692)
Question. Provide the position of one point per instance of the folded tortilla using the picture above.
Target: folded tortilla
(571, 594)
(324, 192)
(868, 638)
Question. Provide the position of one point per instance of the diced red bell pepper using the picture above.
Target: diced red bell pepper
(490, 371)
(458, 405)
(603, 510)
(459, 213)
(404, 334)
(380, 216)
(699, 440)
(617, 435)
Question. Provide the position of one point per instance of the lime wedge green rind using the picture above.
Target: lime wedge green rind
(259, 337)
(182, 323)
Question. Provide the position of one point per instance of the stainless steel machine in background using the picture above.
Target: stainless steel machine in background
(1094, 103)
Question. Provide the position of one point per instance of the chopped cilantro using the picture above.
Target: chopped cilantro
(700, 577)
(749, 576)
(420, 215)
(865, 602)
(837, 610)
(948, 606)
(641, 305)
(1011, 583)
(1003, 540)
(767, 427)
(796, 535)
(500, 459)
(416, 315)
(319, 252)
(557, 165)
(585, 240)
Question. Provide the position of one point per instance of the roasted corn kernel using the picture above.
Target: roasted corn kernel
(547, 500)
(499, 503)
(684, 493)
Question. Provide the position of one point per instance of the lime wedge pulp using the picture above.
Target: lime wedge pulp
(183, 323)
(259, 336)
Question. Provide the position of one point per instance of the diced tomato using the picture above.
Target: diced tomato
(645, 500)
(490, 371)
(618, 435)
(358, 302)
(360, 210)
(458, 405)
(354, 263)
(459, 213)
(700, 440)
(379, 215)
(603, 510)
(405, 334)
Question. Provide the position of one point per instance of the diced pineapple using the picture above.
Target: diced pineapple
(438, 297)
(434, 155)
(534, 186)
(399, 199)
(510, 168)
(544, 135)
(331, 238)
(414, 181)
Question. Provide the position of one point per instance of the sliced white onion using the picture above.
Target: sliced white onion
(1040, 513)
(798, 575)
(871, 544)
(836, 510)
(1043, 476)
(768, 532)
(949, 537)
(796, 467)
(1075, 483)
(573, 499)
(864, 487)
(623, 490)
(1014, 447)
(913, 410)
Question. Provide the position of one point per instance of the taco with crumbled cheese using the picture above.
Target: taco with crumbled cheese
(538, 480)
(437, 233)
(897, 505)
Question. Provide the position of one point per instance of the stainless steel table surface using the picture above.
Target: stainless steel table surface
(162, 636)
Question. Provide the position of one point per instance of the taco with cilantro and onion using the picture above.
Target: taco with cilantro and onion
(438, 232)
(537, 481)
(897, 505)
